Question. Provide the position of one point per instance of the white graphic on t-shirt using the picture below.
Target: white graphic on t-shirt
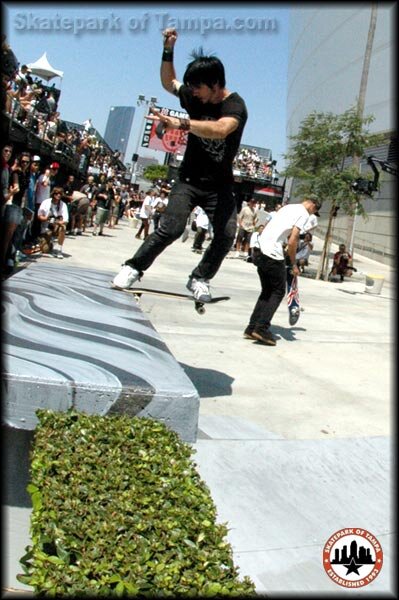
(216, 148)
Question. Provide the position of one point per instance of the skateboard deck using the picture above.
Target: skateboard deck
(199, 306)
(294, 309)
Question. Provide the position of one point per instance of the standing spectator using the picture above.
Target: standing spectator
(31, 197)
(114, 211)
(88, 125)
(33, 179)
(124, 201)
(145, 214)
(246, 226)
(202, 225)
(214, 129)
(254, 246)
(22, 74)
(77, 212)
(271, 265)
(14, 215)
(159, 207)
(104, 199)
(53, 216)
(69, 188)
(44, 185)
(90, 190)
(10, 215)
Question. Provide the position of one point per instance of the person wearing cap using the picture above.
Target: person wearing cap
(271, 264)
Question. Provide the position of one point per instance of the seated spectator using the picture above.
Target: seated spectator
(303, 252)
(342, 264)
(53, 215)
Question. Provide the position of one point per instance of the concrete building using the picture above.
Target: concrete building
(118, 128)
(327, 46)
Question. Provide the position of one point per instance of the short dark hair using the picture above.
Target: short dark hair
(206, 70)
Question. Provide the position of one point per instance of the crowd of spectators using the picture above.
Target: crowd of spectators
(249, 163)
(43, 199)
(32, 105)
(41, 206)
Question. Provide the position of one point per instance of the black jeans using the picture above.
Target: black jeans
(220, 206)
(272, 275)
(199, 238)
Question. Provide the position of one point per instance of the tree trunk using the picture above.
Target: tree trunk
(323, 263)
(360, 109)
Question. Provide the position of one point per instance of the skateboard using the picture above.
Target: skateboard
(199, 306)
(294, 309)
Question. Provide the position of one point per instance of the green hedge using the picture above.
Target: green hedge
(119, 509)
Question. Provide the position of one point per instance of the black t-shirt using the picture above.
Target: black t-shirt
(207, 159)
(104, 197)
(22, 178)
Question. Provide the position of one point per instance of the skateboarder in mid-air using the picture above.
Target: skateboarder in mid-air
(271, 264)
(216, 123)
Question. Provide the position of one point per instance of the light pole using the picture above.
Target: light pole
(148, 102)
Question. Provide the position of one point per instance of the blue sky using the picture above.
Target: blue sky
(109, 62)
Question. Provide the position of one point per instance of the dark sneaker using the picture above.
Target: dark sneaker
(264, 338)
(248, 334)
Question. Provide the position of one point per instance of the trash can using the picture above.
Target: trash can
(374, 284)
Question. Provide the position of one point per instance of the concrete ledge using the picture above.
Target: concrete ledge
(72, 341)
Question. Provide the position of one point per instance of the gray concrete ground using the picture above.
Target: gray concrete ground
(294, 440)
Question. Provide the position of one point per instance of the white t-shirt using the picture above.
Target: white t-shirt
(311, 223)
(48, 208)
(254, 240)
(158, 201)
(201, 218)
(273, 237)
(42, 191)
(146, 208)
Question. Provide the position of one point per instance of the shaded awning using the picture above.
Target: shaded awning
(269, 191)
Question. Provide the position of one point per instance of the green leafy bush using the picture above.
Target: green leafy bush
(119, 509)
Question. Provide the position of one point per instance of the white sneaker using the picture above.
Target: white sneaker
(126, 277)
(200, 289)
(59, 254)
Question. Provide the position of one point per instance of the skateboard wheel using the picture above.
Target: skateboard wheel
(200, 309)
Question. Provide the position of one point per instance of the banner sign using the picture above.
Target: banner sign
(174, 140)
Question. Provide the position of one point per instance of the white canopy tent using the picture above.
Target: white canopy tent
(43, 69)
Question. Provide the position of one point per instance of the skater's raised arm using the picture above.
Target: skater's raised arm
(168, 73)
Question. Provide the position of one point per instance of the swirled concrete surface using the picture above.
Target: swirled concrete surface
(69, 340)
